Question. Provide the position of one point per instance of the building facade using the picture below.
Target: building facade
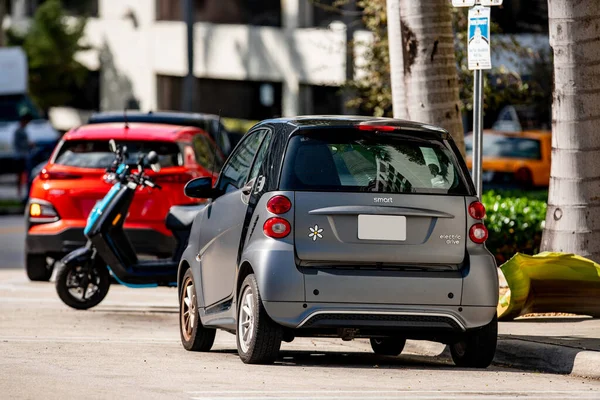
(253, 59)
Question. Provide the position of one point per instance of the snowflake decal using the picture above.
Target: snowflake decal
(315, 233)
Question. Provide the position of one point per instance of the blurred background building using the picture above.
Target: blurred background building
(254, 59)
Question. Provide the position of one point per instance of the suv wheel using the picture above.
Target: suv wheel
(477, 348)
(258, 337)
(390, 346)
(194, 336)
(37, 267)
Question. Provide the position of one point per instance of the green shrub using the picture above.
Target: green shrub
(515, 221)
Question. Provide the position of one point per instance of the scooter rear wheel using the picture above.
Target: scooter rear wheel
(82, 285)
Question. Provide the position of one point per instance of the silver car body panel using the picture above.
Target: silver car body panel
(436, 273)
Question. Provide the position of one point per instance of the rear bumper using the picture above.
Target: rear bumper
(415, 318)
(145, 241)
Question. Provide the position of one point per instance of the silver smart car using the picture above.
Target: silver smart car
(348, 227)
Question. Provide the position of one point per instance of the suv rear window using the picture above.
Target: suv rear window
(96, 154)
(347, 160)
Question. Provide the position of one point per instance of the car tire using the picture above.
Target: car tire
(65, 278)
(258, 337)
(477, 348)
(389, 346)
(194, 336)
(37, 267)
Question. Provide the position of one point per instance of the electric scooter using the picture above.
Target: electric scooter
(84, 276)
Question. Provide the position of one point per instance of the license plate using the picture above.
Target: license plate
(381, 227)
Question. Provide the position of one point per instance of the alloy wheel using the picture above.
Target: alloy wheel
(188, 315)
(246, 319)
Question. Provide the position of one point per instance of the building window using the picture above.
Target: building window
(321, 100)
(247, 12)
(169, 10)
(87, 97)
(520, 16)
(169, 92)
(234, 99)
(325, 12)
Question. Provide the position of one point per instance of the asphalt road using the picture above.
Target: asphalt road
(12, 240)
(128, 347)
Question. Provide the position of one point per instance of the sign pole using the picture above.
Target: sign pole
(478, 131)
(479, 59)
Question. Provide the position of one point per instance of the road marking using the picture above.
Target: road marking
(399, 391)
(409, 396)
(389, 394)
(12, 229)
(86, 339)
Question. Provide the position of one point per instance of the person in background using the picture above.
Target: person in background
(23, 147)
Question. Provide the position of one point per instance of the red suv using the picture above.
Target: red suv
(65, 191)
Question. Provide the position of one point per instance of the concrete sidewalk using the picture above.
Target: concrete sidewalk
(564, 345)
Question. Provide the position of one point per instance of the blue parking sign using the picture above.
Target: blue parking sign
(479, 52)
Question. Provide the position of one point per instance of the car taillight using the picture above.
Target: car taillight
(42, 211)
(279, 204)
(477, 210)
(478, 233)
(46, 175)
(174, 178)
(277, 228)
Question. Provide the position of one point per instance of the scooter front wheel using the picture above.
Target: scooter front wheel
(82, 285)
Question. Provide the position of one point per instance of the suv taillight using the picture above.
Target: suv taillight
(478, 233)
(277, 228)
(42, 211)
(477, 210)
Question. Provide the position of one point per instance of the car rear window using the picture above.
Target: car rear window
(96, 154)
(507, 147)
(352, 161)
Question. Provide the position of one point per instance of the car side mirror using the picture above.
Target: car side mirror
(200, 188)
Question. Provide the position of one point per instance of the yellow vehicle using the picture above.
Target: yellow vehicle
(509, 158)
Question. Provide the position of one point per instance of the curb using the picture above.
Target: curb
(526, 354)
(519, 353)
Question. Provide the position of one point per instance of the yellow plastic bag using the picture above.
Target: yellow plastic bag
(550, 282)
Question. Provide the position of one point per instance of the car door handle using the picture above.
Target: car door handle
(247, 189)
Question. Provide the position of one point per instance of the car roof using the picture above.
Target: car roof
(341, 121)
(134, 131)
(163, 117)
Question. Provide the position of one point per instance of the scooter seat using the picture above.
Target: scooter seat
(182, 217)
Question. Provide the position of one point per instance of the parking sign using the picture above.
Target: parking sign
(463, 3)
(479, 38)
(490, 3)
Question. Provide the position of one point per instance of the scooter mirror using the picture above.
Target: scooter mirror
(112, 145)
(153, 161)
(152, 158)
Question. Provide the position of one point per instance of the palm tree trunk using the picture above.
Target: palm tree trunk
(394, 28)
(430, 81)
(573, 218)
